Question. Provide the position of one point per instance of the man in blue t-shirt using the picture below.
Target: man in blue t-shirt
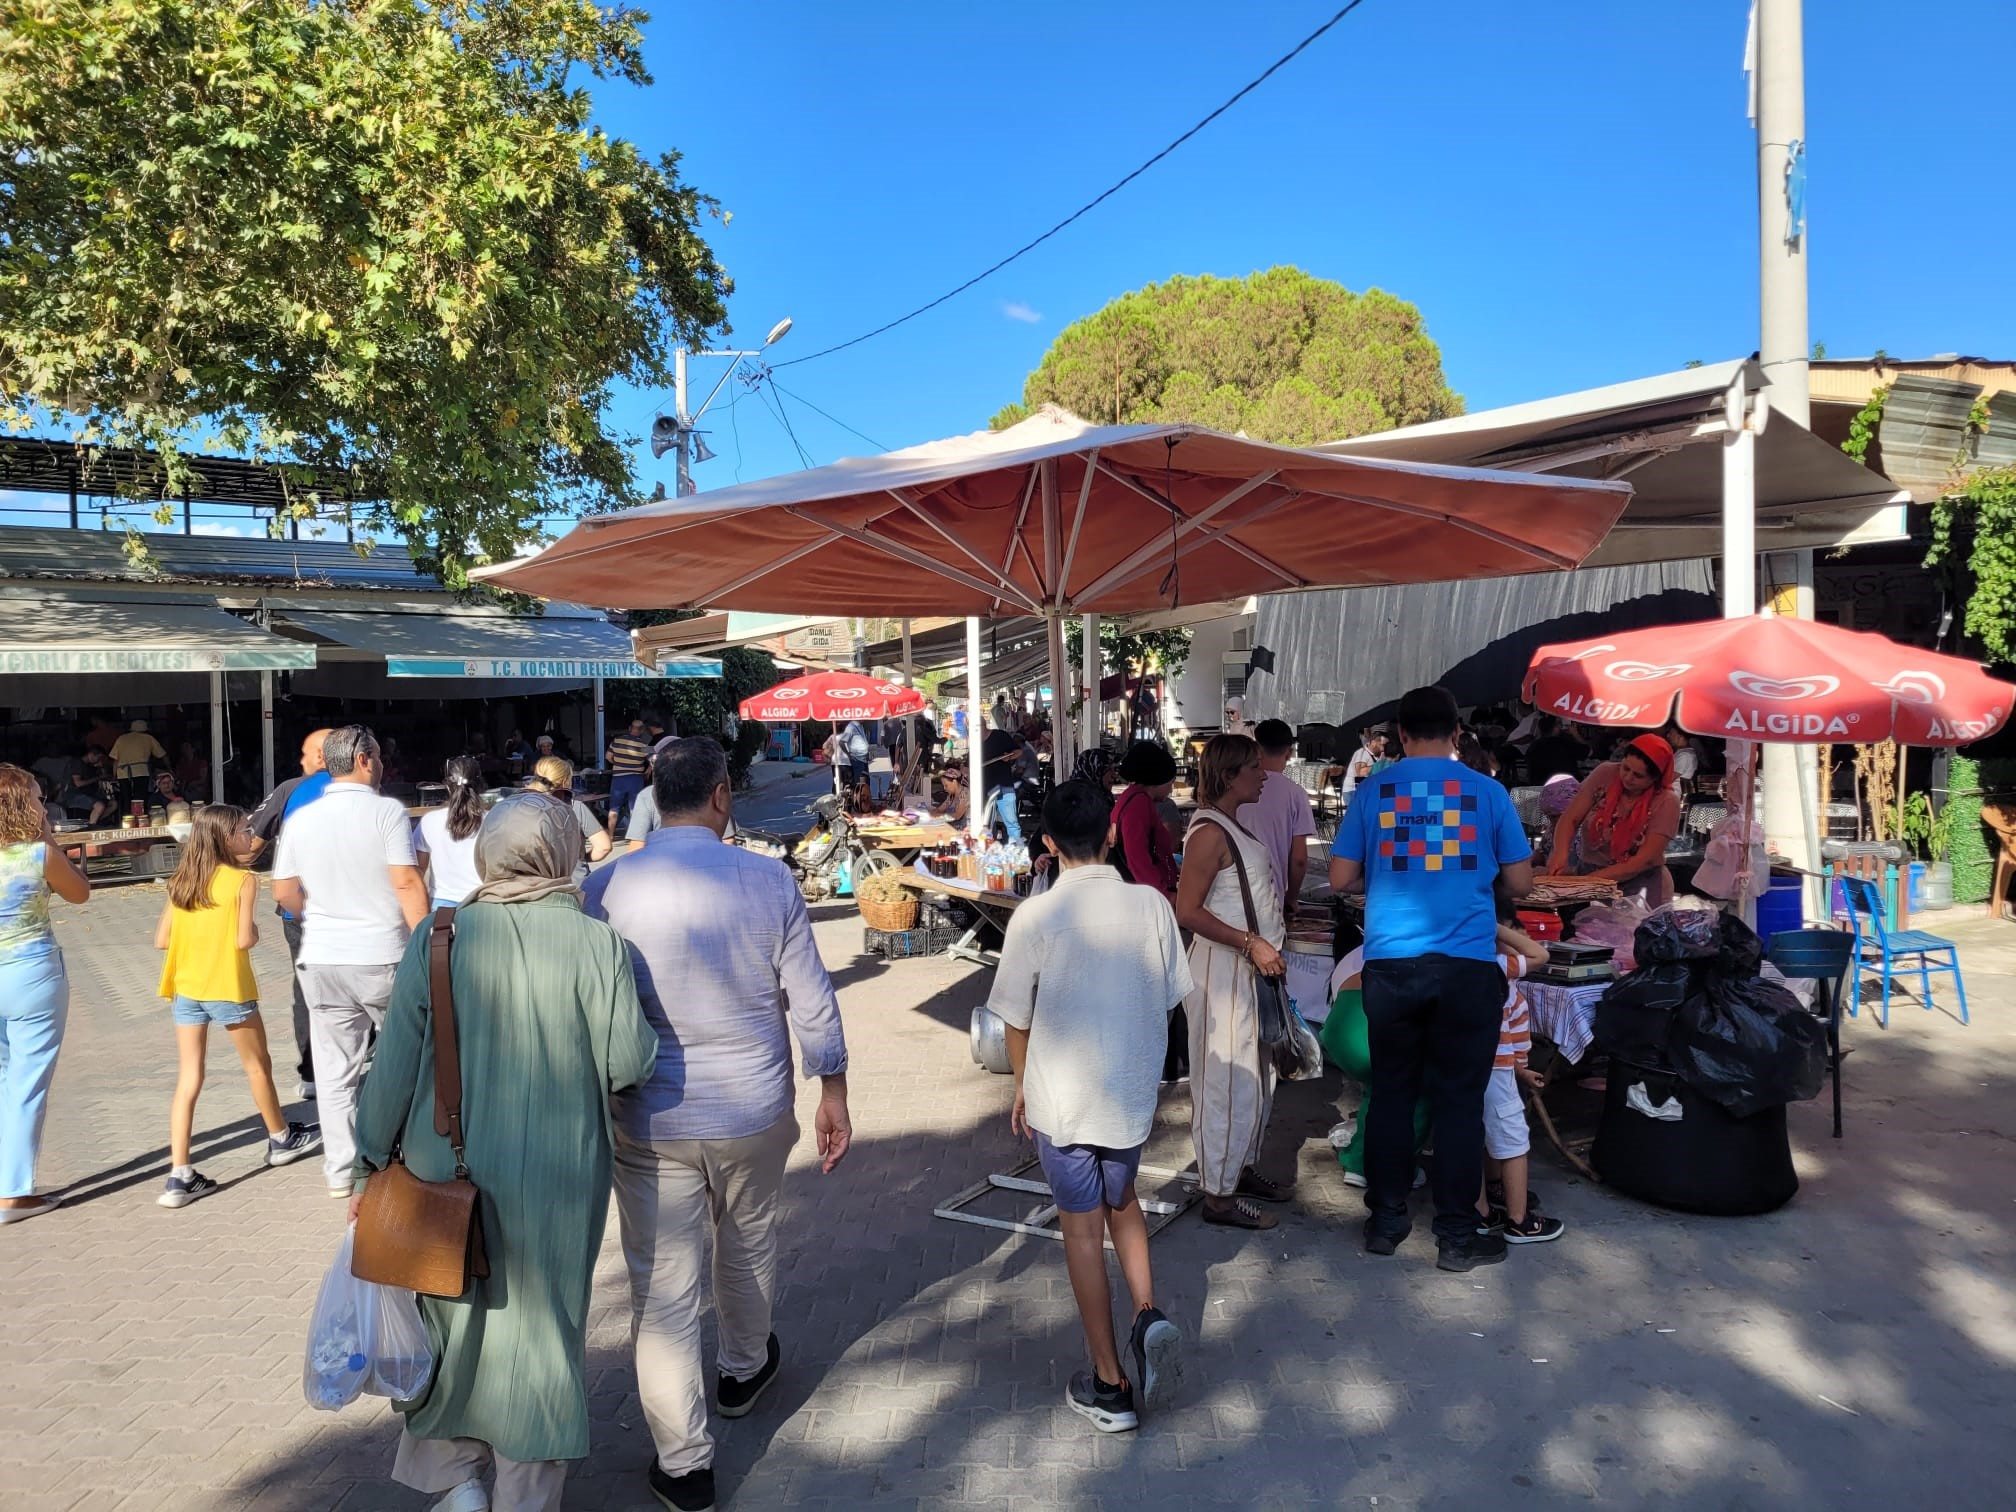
(1429, 840)
(265, 824)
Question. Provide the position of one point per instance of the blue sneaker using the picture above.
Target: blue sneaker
(300, 1139)
(183, 1190)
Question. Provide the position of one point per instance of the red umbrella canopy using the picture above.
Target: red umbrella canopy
(1770, 678)
(833, 696)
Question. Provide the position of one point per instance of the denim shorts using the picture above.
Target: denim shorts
(230, 1015)
(1085, 1178)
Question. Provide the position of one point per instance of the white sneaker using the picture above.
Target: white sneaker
(470, 1496)
(306, 1092)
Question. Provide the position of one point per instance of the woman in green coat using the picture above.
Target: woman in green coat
(548, 1024)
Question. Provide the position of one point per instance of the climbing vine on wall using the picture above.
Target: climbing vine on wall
(1977, 517)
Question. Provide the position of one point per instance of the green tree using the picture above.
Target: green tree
(382, 235)
(1280, 355)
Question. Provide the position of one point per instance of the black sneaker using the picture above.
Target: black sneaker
(691, 1492)
(1494, 1193)
(1493, 1221)
(1537, 1229)
(1110, 1408)
(299, 1140)
(183, 1190)
(1472, 1250)
(1158, 1361)
(736, 1397)
(1381, 1239)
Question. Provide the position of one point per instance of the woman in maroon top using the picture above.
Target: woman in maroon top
(1143, 851)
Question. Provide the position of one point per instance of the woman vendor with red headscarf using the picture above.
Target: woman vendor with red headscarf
(1625, 816)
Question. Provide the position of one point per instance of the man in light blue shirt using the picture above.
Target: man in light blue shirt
(1431, 842)
(729, 974)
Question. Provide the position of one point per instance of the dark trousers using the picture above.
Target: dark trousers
(623, 791)
(291, 929)
(1434, 1024)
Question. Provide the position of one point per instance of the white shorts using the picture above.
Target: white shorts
(1504, 1116)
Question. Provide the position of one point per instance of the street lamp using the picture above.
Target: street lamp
(675, 432)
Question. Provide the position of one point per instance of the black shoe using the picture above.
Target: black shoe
(1537, 1229)
(1382, 1239)
(1471, 1251)
(1110, 1408)
(1494, 1193)
(1156, 1344)
(691, 1492)
(734, 1398)
(1494, 1221)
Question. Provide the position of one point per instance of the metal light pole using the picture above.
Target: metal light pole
(675, 432)
(1790, 772)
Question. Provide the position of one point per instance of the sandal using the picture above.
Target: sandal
(1239, 1214)
(1253, 1184)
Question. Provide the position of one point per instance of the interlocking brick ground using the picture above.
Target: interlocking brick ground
(1855, 1348)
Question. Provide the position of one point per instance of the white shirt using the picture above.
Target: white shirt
(452, 875)
(339, 848)
(1091, 969)
(1350, 782)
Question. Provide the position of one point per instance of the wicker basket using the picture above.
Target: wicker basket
(890, 918)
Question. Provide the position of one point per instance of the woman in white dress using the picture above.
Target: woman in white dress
(1231, 1079)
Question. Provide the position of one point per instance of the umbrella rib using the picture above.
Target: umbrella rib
(1077, 524)
(1007, 583)
(767, 568)
(1524, 548)
(1131, 564)
(1015, 535)
(1222, 537)
(902, 554)
(1052, 547)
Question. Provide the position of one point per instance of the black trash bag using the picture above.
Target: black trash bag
(1741, 952)
(1634, 1018)
(1748, 1044)
(1677, 934)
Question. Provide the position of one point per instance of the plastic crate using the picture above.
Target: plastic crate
(897, 944)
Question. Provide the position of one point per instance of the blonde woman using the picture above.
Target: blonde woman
(554, 776)
(34, 990)
(1231, 1080)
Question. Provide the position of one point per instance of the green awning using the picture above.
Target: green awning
(43, 634)
(575, 647)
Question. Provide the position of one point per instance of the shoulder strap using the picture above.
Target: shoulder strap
(1238, 862)
(447, 1051)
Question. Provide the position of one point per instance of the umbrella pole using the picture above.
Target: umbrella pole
(1062, 744)
(1095, 674)
(909, 720)
(976, 713)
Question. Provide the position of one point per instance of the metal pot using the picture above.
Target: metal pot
(989, 1040)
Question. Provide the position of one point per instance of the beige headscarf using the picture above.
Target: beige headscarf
(526, 850)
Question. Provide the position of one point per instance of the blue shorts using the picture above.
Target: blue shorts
(230, 1015)
(1085, 1178)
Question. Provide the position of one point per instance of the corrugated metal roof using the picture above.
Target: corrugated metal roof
(1924, 432)
(99, 556)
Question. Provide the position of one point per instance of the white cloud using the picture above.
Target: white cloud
(1016, 310)
(227, 528)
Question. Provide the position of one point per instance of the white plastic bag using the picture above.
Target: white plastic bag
(363, 1340)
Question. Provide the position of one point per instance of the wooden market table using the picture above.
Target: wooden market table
(145, 854)
(905, 841)
(993, 909)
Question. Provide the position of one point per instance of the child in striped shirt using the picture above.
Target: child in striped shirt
(1515, 1213)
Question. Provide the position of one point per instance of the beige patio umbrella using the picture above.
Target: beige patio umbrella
(1054, 517)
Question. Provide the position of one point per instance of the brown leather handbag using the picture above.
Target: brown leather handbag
(427, 1236)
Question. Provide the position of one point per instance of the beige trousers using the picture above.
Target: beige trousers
(438, 1465)
(1231, 1082)
(670, 1196)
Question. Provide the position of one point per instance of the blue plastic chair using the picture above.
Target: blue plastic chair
(1915, 950)
(1821, 956)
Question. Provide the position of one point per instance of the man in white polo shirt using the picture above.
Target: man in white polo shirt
(345, 868)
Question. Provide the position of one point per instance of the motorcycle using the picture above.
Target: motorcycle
(818, 859)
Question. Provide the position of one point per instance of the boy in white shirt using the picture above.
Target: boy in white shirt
(1089, 972)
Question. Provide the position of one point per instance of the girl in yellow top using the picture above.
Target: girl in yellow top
(208, 931)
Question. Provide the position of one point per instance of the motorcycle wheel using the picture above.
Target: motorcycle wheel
(869, 862)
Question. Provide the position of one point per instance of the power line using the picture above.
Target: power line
(1092, 204)
(777, 413)
(879, 446)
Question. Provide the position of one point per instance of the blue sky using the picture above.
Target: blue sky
(1567, 192)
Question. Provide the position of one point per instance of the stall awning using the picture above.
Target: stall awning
(491, 645)
(44, 634)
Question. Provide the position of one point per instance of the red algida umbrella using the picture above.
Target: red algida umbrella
(832, 696)
(1770, 677)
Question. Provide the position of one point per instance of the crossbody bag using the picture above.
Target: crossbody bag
(427, 1236)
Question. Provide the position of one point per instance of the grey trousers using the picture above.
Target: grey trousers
(291, 929)
(346, 1004)
(438, 1465)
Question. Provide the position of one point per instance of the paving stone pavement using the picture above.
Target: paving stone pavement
(1858, 1347)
